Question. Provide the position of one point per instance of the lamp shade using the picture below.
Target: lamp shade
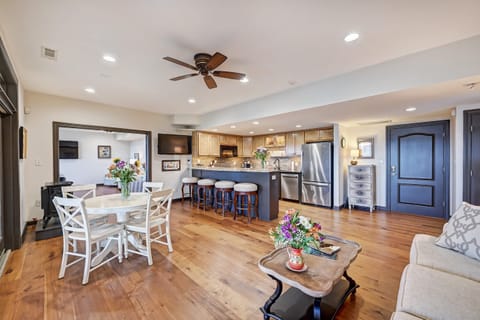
(355, 153)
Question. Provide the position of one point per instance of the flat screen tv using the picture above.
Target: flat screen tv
(68, 149)
(174, 144)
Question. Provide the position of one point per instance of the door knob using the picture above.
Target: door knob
(393, 170)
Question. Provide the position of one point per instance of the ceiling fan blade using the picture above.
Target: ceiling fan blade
(210, 82)
(216, 60)
(183, 64)
(184, 76)
(229, 75)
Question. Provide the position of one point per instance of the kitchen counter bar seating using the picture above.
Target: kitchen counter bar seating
(191, 184)
(242, 199)
(205, 193)
(223, 195)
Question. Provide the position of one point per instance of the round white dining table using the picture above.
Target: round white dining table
(115, 204)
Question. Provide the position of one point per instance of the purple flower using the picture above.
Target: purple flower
(121, 164)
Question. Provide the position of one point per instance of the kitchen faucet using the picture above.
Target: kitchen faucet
(276, 164)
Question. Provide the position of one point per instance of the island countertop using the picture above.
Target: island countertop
(246, 169)
(267, 180)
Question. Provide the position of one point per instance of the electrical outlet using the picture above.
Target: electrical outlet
(37, 163)
(37, 203)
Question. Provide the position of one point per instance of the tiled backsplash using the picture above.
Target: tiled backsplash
(286, 164)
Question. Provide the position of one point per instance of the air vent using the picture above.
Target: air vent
(49, 53)
(374, 122)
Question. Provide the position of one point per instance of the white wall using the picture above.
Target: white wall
(88, 168)
(44, 109)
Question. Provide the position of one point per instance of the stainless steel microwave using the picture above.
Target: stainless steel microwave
(228, 151)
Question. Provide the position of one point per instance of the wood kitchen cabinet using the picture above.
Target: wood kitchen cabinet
(258, 141)
(294, 141)
(208, 144)
(319, 135)
(246, 150)
(228, 140)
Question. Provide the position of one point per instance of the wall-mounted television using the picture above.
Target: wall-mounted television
(67, 149)
(174, 144)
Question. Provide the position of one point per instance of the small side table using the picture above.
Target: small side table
(321, 289)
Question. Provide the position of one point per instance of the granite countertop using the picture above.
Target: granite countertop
(244, 169)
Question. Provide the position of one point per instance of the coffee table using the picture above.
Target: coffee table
(317, 293)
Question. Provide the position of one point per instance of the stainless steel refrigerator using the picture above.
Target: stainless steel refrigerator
(317, 174)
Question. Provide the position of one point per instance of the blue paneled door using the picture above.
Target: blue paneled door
(418, 168)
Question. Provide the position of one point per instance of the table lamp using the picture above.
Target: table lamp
(355, 153)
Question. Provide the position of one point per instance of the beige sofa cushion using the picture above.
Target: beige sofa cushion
(462, 232)
(424, 252)
(403, 316)
(433, 294)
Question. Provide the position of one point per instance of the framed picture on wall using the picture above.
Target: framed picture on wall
(170, 165)
(104, 152)
(366, 147)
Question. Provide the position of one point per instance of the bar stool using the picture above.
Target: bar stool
(224, 188)
(205, 192)
(190, 183)
(242, 190)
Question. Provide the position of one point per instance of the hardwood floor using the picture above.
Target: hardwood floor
(212, 273)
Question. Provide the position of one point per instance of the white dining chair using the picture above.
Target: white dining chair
(157, 214)
(76, 227)
(149, 186)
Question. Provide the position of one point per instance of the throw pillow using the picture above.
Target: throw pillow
(462, 232)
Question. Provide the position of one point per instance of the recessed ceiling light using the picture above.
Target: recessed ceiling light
(90, 90)
(410, 109)
(233, 126)
(244, 80)
(252, 132)
(191, 100)
(298, 126)
(351, 37)
(271, 129)
(255, 122)
(109, 58)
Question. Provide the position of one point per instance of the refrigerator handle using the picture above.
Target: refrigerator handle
(320, 184)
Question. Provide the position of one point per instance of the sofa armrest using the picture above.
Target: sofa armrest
(432, 294)
(425, 252)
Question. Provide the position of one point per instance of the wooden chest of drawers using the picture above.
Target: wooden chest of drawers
(361, 186)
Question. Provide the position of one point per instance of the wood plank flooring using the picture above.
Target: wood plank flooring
(212, 273)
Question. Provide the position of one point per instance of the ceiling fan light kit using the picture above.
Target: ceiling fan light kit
(205, 65)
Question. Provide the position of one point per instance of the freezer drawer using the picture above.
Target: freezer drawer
(289, 187)
(317, 193)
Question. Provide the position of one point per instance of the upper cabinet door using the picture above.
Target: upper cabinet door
(208, 144)
(228, 140)
(294, 143)
(319, 135)
(247, 147)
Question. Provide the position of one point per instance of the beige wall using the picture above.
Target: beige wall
(44, 109)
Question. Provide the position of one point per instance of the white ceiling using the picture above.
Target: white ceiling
(280, 45)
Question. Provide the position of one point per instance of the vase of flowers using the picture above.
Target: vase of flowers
(261, 153)
(125, 172)
(296, 232)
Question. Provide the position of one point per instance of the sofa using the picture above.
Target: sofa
(438, 282)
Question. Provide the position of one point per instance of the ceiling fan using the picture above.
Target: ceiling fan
(205, 65)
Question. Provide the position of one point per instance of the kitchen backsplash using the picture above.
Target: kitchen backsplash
(286, 164)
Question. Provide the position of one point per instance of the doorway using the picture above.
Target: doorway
(418, 168)
(61, 125)
(471, 171)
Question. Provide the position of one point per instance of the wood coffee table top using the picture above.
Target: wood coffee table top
(322, 273)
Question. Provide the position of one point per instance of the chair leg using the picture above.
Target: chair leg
(120, 247)
(88, 257)
(169, 239)
(249, 205)
(63, 265)
(148, 240)
(125, 243)
(183, 194)
(234, 206)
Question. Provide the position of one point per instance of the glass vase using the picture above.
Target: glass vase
(264, 163)
(295, 258)
(124, 189)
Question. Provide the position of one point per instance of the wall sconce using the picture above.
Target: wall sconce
(355, 153)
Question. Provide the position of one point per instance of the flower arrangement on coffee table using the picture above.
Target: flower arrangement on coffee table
(296, 232)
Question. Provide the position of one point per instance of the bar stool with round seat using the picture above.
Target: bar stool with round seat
(205, 192)
(190, 183)
(242, 190)
(223, 195)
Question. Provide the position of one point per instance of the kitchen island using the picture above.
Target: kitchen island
(268, 182)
